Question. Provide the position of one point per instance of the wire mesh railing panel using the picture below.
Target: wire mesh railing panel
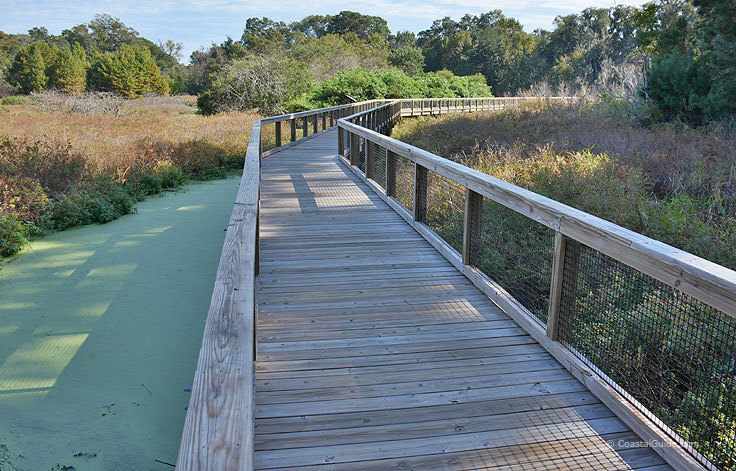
(268, 136)
(361, 153)
(673, 355)
(446, 209)
(379, 166)
(516, 252)
(405, 182)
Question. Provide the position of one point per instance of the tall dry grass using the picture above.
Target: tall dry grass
(67, 161)
(670, 182)
(144, 135)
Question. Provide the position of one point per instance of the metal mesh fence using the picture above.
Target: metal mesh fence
(516, 252)
(378, 170)
(405, 182)
(361, 154)
(446, 209)
(671, 354)
(268, 136)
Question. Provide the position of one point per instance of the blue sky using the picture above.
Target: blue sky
(197, 23)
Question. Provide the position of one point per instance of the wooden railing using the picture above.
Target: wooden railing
(218, 430)
(293, 127)
(690, 276)
(436, 106)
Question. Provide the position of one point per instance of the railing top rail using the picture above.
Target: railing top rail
(301, 114)
(370, 110)
(489, 98)
(706, 281)
(227, 342)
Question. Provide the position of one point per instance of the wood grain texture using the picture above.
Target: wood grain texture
(555, 296)
(218, 430)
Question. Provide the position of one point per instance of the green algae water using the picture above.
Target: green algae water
(100, 329)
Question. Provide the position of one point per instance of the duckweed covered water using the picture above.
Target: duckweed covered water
(100, 328)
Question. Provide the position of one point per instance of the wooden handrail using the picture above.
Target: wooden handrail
(302, 114)
(218, 429)
(706, 281)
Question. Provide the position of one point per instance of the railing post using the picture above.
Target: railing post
(305, 126)
(354, 149)
(370, 156)
(340, 142)
(565, 250)
(391, 161)
(292, 121)
(316, 124)
(420, 193)
(324, 121)
(332, 118)
(278, 133)
(473, 225)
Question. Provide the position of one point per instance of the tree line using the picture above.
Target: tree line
(102, 55)
(675, 58)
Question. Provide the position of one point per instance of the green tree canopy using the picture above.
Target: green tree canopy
(69, 72)
(130, 71)
(407, 58)
(31, 67)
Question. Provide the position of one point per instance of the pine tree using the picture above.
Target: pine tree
(69, 73)
(29, 69)
(129, 71)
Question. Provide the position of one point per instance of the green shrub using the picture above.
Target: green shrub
(166, 175)
(679, 86)
(300, 103)
(98, 201)
(359, 84)
(13, 235)
(13, 100)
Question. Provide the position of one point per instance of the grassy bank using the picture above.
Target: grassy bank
(66, 162)
(671, 183)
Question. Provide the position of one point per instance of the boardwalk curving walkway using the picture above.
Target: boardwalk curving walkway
(374, 352)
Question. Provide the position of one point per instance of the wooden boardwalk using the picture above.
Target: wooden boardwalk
(374, 352)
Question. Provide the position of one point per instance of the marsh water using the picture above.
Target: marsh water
(100, 329)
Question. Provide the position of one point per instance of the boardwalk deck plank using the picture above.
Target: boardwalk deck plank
(375, 353)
